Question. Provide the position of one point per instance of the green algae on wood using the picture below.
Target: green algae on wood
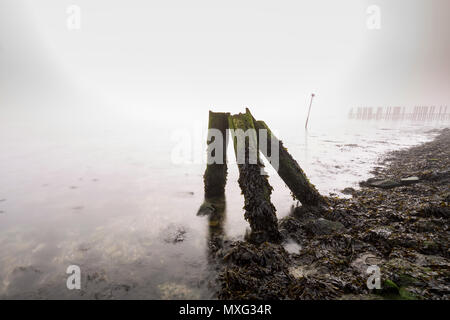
(259, 210)
(215, 177)
(288, 169)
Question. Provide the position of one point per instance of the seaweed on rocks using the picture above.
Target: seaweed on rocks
(403, 230)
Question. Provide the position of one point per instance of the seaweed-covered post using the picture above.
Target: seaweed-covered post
(259, 210)
(215, 177)
(288, 169)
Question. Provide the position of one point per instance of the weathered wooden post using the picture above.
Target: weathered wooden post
(259, 210)
(288, 169)
(215, 177)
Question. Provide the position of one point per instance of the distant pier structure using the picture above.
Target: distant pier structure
(417, 113)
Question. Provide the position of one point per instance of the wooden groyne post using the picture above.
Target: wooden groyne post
(248, 139)
(288, 169)
(215, 177)
(259, 210)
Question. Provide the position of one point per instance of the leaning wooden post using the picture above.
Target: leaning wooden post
(259, 210)
(215, 177)
(288, 169)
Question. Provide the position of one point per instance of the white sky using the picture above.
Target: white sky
(228, 54)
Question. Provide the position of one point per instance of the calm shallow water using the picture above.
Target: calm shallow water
(105, 194)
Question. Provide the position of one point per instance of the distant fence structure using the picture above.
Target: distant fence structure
(417, 113)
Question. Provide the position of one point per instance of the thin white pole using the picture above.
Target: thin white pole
(309, 111)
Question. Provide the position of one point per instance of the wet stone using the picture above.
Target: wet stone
(348, 191)
(323, 226)
(409, 180)
(173, 234)
(381, 183)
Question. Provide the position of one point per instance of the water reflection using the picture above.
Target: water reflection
(216, 220)
(215, 210)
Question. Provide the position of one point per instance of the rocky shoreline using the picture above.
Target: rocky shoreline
(397, 222)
